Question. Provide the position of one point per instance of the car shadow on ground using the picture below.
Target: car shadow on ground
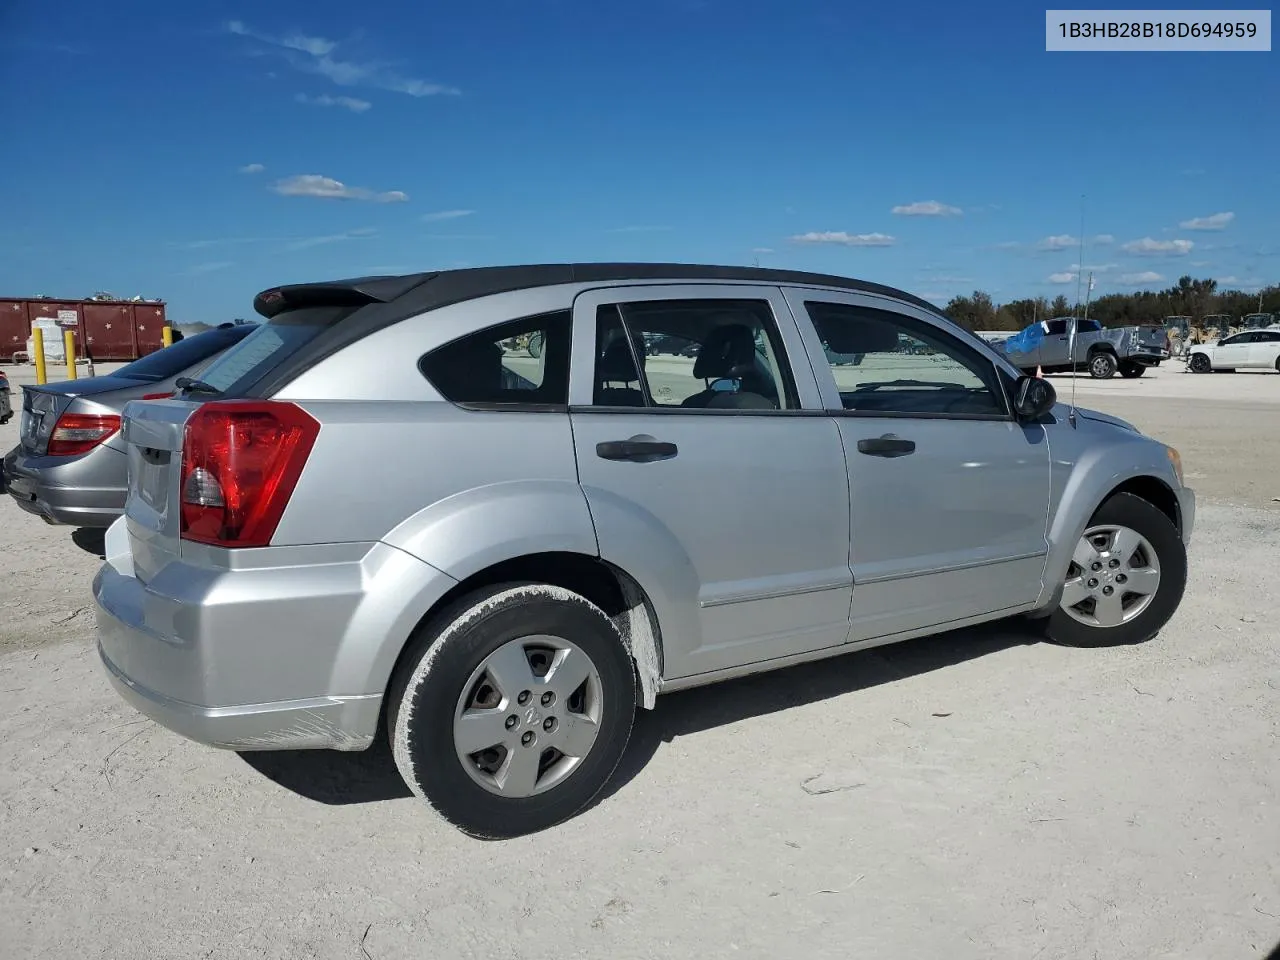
(91, 540)
(333, 777)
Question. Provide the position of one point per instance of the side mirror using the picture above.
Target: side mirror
(1033, 397)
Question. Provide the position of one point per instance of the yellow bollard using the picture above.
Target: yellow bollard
(166, 335)
(37, 335)
(69, 341)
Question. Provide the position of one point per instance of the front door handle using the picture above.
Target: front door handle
(637, 450)
(886, 446)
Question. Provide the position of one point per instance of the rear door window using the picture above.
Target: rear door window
(693, 354)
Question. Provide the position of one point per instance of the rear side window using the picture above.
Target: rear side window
(268, 347)
(187, 352)
(522, 363)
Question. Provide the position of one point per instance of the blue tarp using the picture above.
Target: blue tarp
(1026, 340)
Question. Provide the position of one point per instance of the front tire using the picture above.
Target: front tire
(1200, 363)
(512, 709)
(1126, 578)
(1102, 365)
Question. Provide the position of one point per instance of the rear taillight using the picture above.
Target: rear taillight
(241, 460)
(156, 396)
(77, 433)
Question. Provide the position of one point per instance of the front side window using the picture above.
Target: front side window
(521, 362)
(692, 355)
(886, 363)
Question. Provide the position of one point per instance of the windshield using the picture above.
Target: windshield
(269, 345)
(169, 361)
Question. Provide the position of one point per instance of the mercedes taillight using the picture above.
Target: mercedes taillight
(77, 433)
(241, 460)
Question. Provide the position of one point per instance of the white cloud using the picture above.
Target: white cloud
(1216, 221)
(1095, 267)
(324, 100)
(1148, 247)
(314, 185)
(926, 208)
(845, 239)
(313, 55)
(1060, 241)
(446, 215)
(1201, 263)
(1138, 279)
(1064, 277)
(252, 168)
(1223, 281)
(1102, 239)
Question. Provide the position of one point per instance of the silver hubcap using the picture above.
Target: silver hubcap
(528, 716)
(1100, 366)
(1114, 576)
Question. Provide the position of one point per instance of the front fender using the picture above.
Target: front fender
(469, 531)
(1086, 469)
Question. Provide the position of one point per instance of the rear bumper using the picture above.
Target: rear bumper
(292, 655)
(1146, 357)
(88, 491)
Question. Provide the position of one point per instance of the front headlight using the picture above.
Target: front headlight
(1175, 459)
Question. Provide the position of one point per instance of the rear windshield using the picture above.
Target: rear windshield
(187, 352)
(268, 347)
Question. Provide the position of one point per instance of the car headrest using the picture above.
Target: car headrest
(858, 335)
(726, 350)
(617, 364)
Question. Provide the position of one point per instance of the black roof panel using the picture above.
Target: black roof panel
(419, 292)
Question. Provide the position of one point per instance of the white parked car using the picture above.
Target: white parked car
(1248, 350)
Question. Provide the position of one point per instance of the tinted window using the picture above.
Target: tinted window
(523, 362)
(185, 353)
(1056, 327)
(888, 363)
(691, 354)
(269, 345)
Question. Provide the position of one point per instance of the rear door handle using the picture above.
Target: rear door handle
(886, 446)
(637, 449)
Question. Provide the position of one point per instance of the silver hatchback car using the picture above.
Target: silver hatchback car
(382, 514)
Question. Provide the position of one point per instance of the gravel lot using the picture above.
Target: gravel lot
(972, 795)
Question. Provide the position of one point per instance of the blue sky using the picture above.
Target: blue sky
(936, 147)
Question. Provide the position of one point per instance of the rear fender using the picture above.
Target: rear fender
(470, 531)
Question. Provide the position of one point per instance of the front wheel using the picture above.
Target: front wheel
(1126, 578)
(1102, 366)
(1200, 363)
(512, 709)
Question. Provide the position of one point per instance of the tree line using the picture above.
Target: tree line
(1187, 298)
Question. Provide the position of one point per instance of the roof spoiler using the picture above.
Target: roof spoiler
(355, 292)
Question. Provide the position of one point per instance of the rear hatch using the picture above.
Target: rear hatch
(155, 431)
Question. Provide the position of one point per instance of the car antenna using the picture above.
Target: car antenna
(1075, 320)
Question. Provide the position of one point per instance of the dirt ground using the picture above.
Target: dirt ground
(971, 795)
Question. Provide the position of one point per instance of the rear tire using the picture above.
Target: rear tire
(1131, 370)
(1150, 552)
(1103, 365)
(471, 676)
